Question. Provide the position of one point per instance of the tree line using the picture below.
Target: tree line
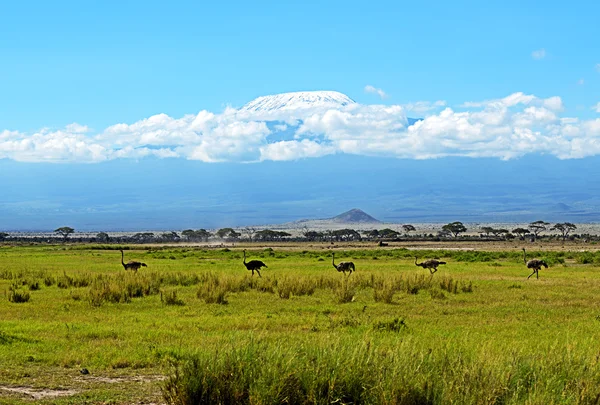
(534, 231)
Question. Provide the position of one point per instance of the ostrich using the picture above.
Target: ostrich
(131, 265)
(535, 264)
(429, 264)
(253, 265)
(342, 266)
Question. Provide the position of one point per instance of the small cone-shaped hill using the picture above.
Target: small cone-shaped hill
(355, 216)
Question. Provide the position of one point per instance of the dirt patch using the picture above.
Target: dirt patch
(124, 379)
(39, 393)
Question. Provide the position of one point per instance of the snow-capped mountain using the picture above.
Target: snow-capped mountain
(298, 100)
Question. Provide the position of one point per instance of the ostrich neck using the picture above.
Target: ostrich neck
(524, 257)
(122, 258)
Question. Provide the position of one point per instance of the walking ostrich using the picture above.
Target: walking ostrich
(131, 265)
(430, 264)
(342, 266)
(535, 264)
(253, 265)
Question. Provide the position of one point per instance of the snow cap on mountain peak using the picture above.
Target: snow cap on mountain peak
(298, 100)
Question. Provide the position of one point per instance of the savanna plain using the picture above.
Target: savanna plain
(194, 327)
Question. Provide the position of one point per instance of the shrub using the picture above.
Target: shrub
(395, 325)
(384, 293)
(16, 296)
(170, 298)
(344, 292)
(213, 294)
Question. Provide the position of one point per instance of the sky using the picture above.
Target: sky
(129, 82)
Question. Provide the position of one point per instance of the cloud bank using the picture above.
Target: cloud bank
(504, 128)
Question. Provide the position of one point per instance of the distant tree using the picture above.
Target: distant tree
(455, 228)
(199, 235)
(203, 234)
(102, 237)
(388, 233)
(228, 233)
(64, 231)
(170, 236)
(564, 228)
(249, 232)
(372, 234)
(313, 235)
(345, 235)
(538, 227)
(500, 233)
(408, 228)
(143, 237)
(270, 235)
(189, 234)
(487, 230)
(520, 232)
(3, 235)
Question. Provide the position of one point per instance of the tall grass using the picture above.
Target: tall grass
(366, 372)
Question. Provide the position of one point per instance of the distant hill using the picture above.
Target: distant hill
(355, 216)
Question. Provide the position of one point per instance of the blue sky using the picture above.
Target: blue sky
(106, 62)
(158, 88)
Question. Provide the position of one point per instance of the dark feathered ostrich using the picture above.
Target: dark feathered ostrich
(342, 266)
(253, 265)
(535, 264)
(131, 265)
(430, 264)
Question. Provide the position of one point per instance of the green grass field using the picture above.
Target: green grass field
(194, 327)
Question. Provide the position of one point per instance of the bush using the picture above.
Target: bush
(344, 292)
(395, 325)
(213, 294)
(16, 296)
(170, 298)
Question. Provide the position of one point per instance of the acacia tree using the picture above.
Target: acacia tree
(564, 228)
(408, 228)
(249, 232)
(64, 231)
(538, 227)
(228, 233)
(388, 233)
(487, 230)
(500, 233)
(200, 234)
(102, 237)
(520, 232)
(455, 228)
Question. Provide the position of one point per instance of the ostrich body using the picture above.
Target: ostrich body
(131, 265)
(431, 264)
(253, 265)
(343, 266)
(534, 264)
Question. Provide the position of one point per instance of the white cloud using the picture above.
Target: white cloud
(422, 107)
(505, 128)
(596, 107)
(538, 54)
(375, 90)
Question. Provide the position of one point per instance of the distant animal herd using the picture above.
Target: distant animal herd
(348, 267)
